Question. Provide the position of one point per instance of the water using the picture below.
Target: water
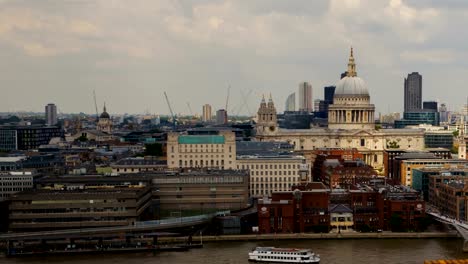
(407, 251)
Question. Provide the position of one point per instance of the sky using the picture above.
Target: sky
(130, 52)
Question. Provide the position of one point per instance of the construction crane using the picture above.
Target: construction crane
(190, 108)
(170, 109)
(244, 102)
(95, 104)
(227, 98)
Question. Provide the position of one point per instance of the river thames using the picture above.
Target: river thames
(391, 251)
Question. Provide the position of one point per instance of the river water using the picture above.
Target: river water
(391, 251)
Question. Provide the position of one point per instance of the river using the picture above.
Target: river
(391, 251)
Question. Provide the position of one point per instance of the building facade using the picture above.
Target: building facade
(272, 173)
(51, 114)
(15, 181)
(201, 151)
(413, 92)
(221, 117)
(207, 113)
(27, 137)
(290, 104)
(305, 97)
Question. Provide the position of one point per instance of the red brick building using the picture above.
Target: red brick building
(308, 209)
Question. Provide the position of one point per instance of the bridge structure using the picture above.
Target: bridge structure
(139, 227)
(460, 226)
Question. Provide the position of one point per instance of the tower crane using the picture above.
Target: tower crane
(95, 104)
(189, 108)
(227, 98)
(172, 112)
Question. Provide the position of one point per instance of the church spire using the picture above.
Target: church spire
(351, 65)
(104, 107)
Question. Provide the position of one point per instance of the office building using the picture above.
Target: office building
(221, 117)
(53, 209)
(207, 113)
(413, 92)
(430, 105)
(329, 93)
(448, 192)
(270, 173)
(439, 139)
(421, 178)
(202, 151)
(443, 113)
(15, 181)
(51, 114)
(305, 97)
(420, 117)
(202, 190)
(290, 104)
(27, 137)
(317, 105)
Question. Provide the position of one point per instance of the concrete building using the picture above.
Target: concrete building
(201, 151)
(51, 114)
(351, 125)
(413, 92)
(221, 117)
(304, 93)
(270, 173)
(53, 209)
(290, 104)
(201, 190)
(407, 167)
(207, 113)
(439, 139)
(15, 181)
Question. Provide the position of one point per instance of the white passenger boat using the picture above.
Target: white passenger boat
(283, 255)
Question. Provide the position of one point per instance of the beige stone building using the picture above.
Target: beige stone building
(351, 125)
(273, 173)
(201, 151)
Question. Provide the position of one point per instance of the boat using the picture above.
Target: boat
(283, 255)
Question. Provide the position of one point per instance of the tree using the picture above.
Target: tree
(456, 133)
(82, 138)
(392, 145)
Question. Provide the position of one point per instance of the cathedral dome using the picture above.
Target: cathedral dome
(104, 113)
(351, 85)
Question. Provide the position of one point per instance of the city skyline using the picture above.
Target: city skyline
(60, 52)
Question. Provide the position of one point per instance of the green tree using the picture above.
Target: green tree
(392, 145)
(456, 133)
(82, 138)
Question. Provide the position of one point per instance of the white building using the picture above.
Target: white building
(201, 151)
(290, 104)
(15, 181)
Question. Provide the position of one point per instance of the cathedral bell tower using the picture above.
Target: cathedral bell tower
(267, 121)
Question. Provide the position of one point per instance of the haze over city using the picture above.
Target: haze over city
(130, 52)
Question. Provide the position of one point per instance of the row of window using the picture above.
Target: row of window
(270, 166)
(272, 173)
(275, 179)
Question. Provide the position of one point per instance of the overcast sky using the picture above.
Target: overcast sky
(130, 52)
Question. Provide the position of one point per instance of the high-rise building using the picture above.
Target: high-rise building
(206, 117)
(51, 114)
(430, 105)
(413, 92)
(221, 117)
(317, 105)
(305, 97)
(443, 113)
(290, 103)
(329, 92)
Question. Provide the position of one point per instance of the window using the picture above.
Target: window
(363, 142)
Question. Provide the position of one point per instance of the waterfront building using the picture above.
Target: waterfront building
(305, 97)
(207, 113)
(201, 151)
(201, 190)
(270, 173)
(105, 122)
(448, 193)
(420, 179)
(413, 92)
(351, 125)
(53, 209)
(51, 114)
